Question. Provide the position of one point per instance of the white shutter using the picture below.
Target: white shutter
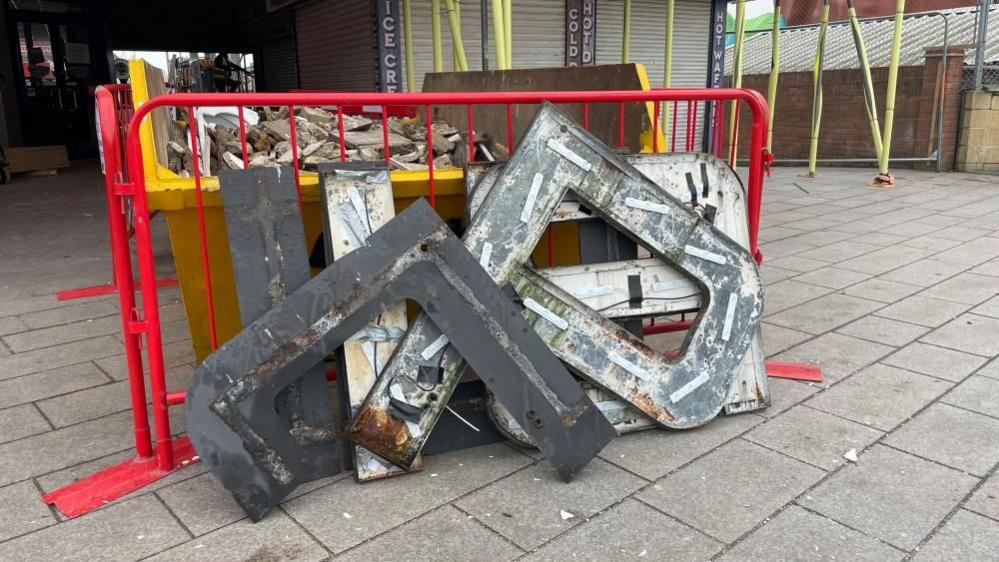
(423, 48)
(335, 45)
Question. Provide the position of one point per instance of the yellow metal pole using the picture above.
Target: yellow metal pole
(774, 74)
(733, 124)
(896, 47)
(435, 27)
(668, 63)
(626, 33)
(407, 39)
(508, 26)
(457, 45)
(865, 67)
(499, 34)
(813, 144)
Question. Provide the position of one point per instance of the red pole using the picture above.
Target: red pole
(293, 139)
(586, 117)
(339, 129)
(202, 234)
(471, 134)
(242, 138)
(672, 130)
(620, 124)
(655, 127)
(509, 127)
(430, 156)
(385, 137)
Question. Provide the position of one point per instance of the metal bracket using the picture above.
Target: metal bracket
(267, 243)
(230, 405)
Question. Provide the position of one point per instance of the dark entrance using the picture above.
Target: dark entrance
(59, 57)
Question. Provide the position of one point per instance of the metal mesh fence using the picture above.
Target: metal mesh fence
(990, 53)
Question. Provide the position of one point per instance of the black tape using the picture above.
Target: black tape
(404, 411)
(635, 291)
(709, 213)
(429, 376)
(705, 187)
(692, 188)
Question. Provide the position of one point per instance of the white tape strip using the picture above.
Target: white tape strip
(356, 232)
(590, 292)
(543, 312)
(705, 255)
(669, 285)
(435, 346)
(414, 429)
(646, 205)
(487, 252)
(395, 391)
(569, 155)
(532, 198)
(358, 203)
(729, 316)
(627, 365)
(691, 386)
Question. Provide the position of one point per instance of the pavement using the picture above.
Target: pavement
(892, 292)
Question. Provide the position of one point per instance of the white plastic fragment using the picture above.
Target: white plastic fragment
(646, 205)
(537, 308)
(347, 515)
(851, 455)
(487, 252)
(729, 317)
(627, 365)
(590, 292)
(532, 197)
(358, 203)
(705, 255)
(459, 416)
(692, 385)
(565, 515)
(435, 346)
(569, 154)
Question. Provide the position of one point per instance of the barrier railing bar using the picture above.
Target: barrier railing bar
(202, 234)
(430, 156)
(293, 139)
(242, 137)
(673, 127)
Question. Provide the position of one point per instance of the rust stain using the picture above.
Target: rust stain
(649, 407)
(378, 431)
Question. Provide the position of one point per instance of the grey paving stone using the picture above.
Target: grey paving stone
(991, 370)
(823, 237)
(837, 355)
(785, 393)
(774, 233)
(979, 394)
(924, 311)
(839, 251)
(729, 491)
(881, 290)
(824, 313)
(880, 396)
(925, 273)
(174, 354)
(885, 259)
(59, 356)
(630, 529)
(42, 311)
(935, 361)
(11, 325)
(788, 293)
(881, 239)
(50, 383)
(443, 534)
(22, 511)
(773, 275)
(92, 403)
(127, 531)
(958, 438)
(526, 507)
(20, 422)
(883, 330)
(275, 539)
(795, 263)
(891, 495)
(972, 253)
(965, 536)
(654, 452)
(812, 436)
(966, 288)
(797, 534)
(778, 338)
(960, 233)
(376, 507)
(988, 308)
(985, 500)
(990, 268)
(63, 333)
(930, 243)
(201, 504)
(832, 277)
(784, 247)
(968, 332)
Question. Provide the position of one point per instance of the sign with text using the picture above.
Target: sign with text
(389, 52)
(580, 32)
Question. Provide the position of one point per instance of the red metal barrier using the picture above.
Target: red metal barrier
(127, 192)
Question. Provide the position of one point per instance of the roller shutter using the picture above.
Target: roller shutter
(336, 45)
(278, 65)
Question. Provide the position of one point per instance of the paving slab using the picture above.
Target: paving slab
(988, 308)
(796, 263)
(63, 333)
(174, 354)
(991, 370)
(965, 536)
(814, 437)
(832, 277)
(972, 253)
(925, 273)
(930, 243)
(628, 530)
(883, 330)
(443, 534)
(924, 311)
(797, 534)
(839, 251)
(12, 325)
(960, 233)
(41, 311)
(21, 422)
(527, 507)
(890, 495)
(201, 504)
(824, 313)
(785, 294)
(970, 333)
(985, 500)
(38, 386)
(823, 237)
(771, 275)
(653, 453)
(966, 288)
(880, 396)
(935, 361)
(732, 489)
(778, 338)
(955, 437)
(128, 531)
(979, 394)
(22, 511)
(885, 259)
(881, 239)
(837, 355)
(881, 290)
(785, 393)
(989, 268)
(58, 356)
(375, 507)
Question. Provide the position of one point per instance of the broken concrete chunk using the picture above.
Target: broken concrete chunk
(232, 161)
(317, 116)
(356, 123)
(277, 130)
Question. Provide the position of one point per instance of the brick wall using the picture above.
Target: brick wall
(845, 131)
(978, 148)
